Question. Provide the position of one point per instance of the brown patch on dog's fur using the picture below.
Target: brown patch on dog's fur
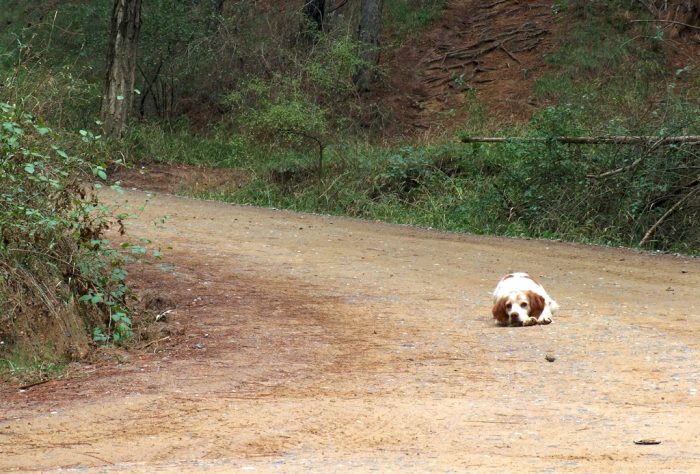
(536, 303)
(530, 277)
(499, 311)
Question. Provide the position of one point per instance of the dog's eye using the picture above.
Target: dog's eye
(523, 305)
(509, 305)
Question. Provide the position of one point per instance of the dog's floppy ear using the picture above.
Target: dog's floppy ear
(499, 311)
(536, 304)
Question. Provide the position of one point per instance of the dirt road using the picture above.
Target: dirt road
(326, 344)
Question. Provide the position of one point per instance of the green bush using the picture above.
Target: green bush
(59, 278)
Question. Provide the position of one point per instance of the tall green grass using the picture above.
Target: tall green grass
(406, 17)
(541, 190)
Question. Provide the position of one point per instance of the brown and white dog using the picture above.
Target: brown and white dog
(518, 300)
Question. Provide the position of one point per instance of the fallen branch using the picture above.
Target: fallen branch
(673, 208)
(156, 342)
(493, 4)
(613, 139)
(673, 22)
(40, 382)
(510, 54)
(636, 162)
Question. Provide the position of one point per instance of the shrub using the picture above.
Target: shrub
(59, 278)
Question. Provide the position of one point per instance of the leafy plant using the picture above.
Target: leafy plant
(40, 365)
(52, 249)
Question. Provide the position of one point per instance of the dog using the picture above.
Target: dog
(518, 300)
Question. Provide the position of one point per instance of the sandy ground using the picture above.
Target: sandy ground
(317, 343)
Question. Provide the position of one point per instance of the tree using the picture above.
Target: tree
(121, 65)
(315, 12)
(369, 29)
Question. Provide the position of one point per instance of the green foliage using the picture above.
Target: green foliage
(604, 62)
(185, 65)
(330, 68)
(51, 247)
(148, 142)
(279, 108)
(406, 170)
(37, 366)
(407, 17)
(59, 96)
(525, 189)
(312, 99)
(33, 29)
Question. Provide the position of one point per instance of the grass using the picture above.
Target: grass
(155, 142)
(406, 17)
(33, 366)
(482, 189)
(613, 69)
(607, 76)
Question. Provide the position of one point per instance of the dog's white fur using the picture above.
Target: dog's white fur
(518, 300)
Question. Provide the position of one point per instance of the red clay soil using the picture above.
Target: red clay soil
(178, 178)
(298, 343)
(491, 49)
(291, 342)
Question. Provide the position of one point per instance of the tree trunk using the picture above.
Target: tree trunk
(315, 12)
(370, 27)
(121, 65)
(680, 16)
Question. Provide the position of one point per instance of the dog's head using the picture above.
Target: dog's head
(517, 306)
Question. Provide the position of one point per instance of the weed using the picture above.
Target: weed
(57, 273)
(406, 17)
(31, 367)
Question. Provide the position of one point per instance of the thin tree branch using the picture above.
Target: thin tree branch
(636, 162)
(673, 208)
(674, 22)
(340, 5)
(602, 140)
(34, 384)
(321, 147)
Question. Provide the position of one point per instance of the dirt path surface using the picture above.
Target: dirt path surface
(303, 343)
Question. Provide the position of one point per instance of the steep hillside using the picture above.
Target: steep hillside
(492, 51)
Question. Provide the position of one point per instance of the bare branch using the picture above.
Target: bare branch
(338, 6)
(673, 208)
(636, 162)
(321, 147)
(601, 140)
(674, 22)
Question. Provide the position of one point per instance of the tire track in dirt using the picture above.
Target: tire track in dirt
(311, 342)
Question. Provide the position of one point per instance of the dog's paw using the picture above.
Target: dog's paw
(530, 322)
(545, 320)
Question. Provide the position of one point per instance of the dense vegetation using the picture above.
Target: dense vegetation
(58, 275)
(254, 86)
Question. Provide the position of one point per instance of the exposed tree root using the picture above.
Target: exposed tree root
(467, 61)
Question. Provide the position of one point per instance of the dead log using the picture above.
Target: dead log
(672, 22)
(602, 140)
